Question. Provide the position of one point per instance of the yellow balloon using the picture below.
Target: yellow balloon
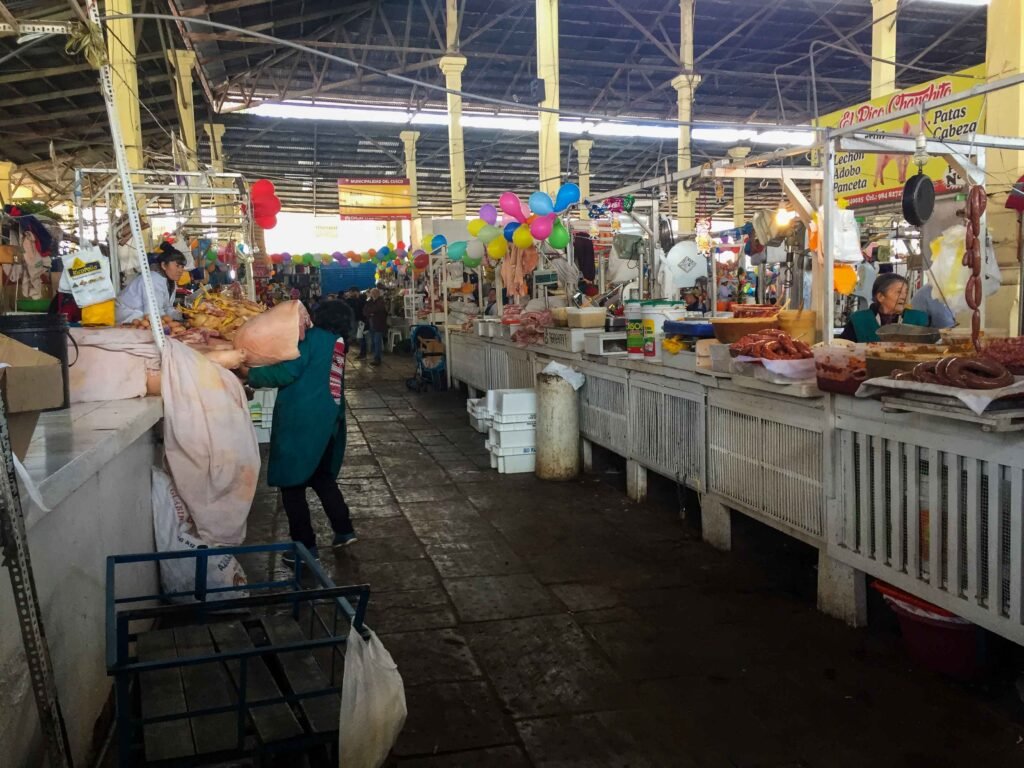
(522, 238)
(391, 246)
(475, 226)
(497, 248)
(426, 242)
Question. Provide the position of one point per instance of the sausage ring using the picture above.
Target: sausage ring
(978, 373)
(925, 372)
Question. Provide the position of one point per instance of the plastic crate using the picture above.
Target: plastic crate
(513, 435)
(514, 464)
(512, 402)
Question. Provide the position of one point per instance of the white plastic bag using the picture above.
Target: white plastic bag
(86, 276)
(174, 531)
(568, 373)
(360, 330)
(372, 704)
(947, 267)
(846, 246)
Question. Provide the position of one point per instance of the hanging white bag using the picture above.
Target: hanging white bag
(373, 707)
(86, 277)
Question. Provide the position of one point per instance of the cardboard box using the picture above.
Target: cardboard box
(31, 382)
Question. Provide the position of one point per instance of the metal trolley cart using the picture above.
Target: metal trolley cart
(241, 671)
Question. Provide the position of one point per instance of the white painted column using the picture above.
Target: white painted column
(583, 147)
(415, 226)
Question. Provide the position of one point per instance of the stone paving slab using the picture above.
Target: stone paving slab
(449, 717)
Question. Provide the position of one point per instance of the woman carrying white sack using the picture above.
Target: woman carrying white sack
(164, 273)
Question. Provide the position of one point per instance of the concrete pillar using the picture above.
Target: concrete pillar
(549, 143)
(415, 226)
(121, 51)
(183, 62)
(842, 591)
(636, 480)
(883, 46)
(1004, 116)
(685, 84)
(583, 147)
(739, 189)
(716, 522)
(452, 66)
(587, 454)
(215, 135)
(6, 190)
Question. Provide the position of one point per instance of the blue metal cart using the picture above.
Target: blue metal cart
(242, 671)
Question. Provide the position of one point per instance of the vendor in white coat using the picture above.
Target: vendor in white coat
(164, 273)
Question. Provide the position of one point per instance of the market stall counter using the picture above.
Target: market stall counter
(91, 467)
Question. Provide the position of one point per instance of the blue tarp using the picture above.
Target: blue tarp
(336, 279)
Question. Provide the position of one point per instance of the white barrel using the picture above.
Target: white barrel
(558, 428)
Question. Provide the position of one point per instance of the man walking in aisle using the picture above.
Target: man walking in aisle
(376, 314)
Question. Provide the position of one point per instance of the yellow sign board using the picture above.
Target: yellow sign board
(869, 178)
(368, 199)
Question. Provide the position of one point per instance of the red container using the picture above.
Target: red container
(935, 638)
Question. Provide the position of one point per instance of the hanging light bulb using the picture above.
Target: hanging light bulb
(784, 217)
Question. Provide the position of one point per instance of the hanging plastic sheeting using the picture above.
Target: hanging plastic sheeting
(210, 443)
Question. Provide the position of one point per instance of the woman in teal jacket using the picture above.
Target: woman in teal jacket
(307, 443)
(889, 306)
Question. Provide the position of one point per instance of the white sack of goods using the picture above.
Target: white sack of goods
(210, 443)
(175, 531)
(274, 336)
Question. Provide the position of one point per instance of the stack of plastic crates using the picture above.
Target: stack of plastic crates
(244, 671)
(261, 409)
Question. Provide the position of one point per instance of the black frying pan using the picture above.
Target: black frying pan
(918, 199)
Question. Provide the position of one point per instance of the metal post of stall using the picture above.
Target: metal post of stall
(447, 328)
(653, 250)
(78, 207)
(828, 238)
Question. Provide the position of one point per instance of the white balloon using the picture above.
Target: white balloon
(475, 249)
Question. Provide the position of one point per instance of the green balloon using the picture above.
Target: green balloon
(471, 262)
(489, 233)
(559, 237)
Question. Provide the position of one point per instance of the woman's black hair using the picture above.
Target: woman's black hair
(334, 317)
(168, 256)
(885, 281)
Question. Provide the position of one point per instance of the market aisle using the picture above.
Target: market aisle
(561, 625)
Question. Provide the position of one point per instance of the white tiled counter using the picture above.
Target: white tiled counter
(91, 464)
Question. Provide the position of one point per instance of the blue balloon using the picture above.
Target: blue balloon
(569, 194)
(540, 203)
(510, 229)
(383, 251)
(439, 241)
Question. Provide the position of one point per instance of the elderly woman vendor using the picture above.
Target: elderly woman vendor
(888, 306)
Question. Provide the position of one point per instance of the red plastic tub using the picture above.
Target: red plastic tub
(935, 638)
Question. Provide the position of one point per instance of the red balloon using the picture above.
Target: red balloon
(261, 188)
(276, 258)
(400, 245)
(266, 222)
(421, 261)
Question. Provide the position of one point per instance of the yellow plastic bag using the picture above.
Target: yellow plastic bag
(98, 314)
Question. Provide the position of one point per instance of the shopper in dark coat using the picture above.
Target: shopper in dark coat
(376, 314)
(355, 299)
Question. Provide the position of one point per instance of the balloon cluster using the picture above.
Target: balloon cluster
(265, 205)
(525, 224)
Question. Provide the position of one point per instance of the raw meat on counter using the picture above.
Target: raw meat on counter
(771, 344)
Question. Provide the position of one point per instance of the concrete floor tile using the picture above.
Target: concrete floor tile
(495, 757)
(384, 508)
(486, 557)
(382, 550)
(431, 656)
(486, 598)
(398, 576)
(618, 739)
(545, 665)
(410, 611)
(437, 492)
(450, 717)
(384, 528)
(585, 597)
(453, 530)
(449, 509)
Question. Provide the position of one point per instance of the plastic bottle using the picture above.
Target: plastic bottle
(634, 330)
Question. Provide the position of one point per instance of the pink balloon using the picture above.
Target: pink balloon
(541, 226)
(527, 213)
(512, 206)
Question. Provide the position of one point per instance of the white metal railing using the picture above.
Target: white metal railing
(768, 460)
(603, 400)
(936, 509)
(667, 427)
